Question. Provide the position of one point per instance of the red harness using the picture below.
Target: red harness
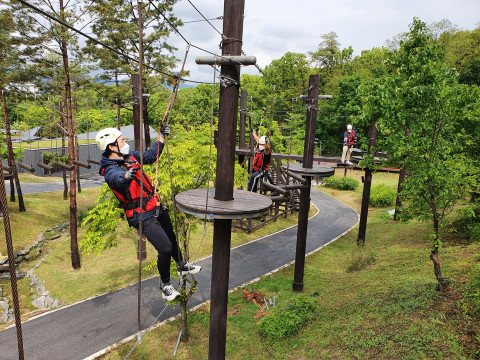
(131, 203)
(260, 162)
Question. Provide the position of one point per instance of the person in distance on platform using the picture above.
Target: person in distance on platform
(121, 169)
(261, 160)
(349, 139)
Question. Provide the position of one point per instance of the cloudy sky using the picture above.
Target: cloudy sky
(273, 27)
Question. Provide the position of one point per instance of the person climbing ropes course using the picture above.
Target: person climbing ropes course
(261, 161)
(349, 139)
(121, 169)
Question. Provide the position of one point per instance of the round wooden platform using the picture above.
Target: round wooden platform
(316, 170)
(245, 204)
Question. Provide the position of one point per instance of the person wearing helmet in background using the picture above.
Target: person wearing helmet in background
(122, 172)
(261, 160)
(349, 139)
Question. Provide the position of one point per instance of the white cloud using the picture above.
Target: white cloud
(274, 27)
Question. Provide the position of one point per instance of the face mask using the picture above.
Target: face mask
(125, 149)
(261, 147)
(350, 131)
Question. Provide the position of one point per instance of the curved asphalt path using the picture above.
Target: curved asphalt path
(82, 329)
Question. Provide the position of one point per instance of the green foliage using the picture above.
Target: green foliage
(382, 195)
(51, 158)
(286, 321)
(469, 225)
(344, 183)
(473, 292)
(368, 162)
(101, 223)
(419, 96)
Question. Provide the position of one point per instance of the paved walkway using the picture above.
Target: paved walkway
(80, 330)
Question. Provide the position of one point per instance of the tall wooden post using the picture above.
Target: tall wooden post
(362, 227)
(227, 125)
(137, 108)
(309, 147)
(11, 265)
(11, 158)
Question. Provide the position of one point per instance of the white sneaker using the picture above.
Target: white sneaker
(349, 163)
(188, 268)
(169, 293)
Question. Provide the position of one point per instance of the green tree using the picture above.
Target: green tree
(120, 17)
(420, 94)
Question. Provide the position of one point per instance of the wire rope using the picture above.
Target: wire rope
(209, 165)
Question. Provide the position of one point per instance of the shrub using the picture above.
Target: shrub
(286, 321)
(348, 183)
(382, 195)
(331, 182)
(345, 183)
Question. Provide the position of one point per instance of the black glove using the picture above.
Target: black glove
(130, 174)
(267, 140)
(251, 130)
(165, 130)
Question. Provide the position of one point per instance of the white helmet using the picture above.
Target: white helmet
(262, 140)
(349, 127)
(107, 136)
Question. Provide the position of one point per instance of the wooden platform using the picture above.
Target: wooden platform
(245, 204)
(316, 170)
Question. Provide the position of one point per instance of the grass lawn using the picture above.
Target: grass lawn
(108, 271)
(388, 308)
(43, 211)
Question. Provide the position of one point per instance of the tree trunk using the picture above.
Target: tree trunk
(77, 147)
(64, 173)
(184, 319)
(146, 122)
(75, 255)
(442, 283)
(11, 158)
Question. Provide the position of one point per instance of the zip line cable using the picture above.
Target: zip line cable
(214, 28)
(183, 37)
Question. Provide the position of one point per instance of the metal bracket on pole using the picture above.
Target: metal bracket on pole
(226, 60)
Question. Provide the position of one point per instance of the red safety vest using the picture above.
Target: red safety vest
(351, 137)
(133, 204)
(261, 161)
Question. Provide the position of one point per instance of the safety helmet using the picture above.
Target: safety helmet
(106, 137)
(349, 127)
(262, 140)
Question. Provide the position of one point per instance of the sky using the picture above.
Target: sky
(273, 27)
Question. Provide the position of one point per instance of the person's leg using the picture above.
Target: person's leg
(166, 223)
(183, 267)
(160, 241)
(250, 183)
(252, 186)
(345, 148)
(349, 152)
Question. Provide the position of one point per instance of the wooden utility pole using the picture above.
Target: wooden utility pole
(309, 147)
(362, 227)
(227, 125)
(137, 108)
(11, 158)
